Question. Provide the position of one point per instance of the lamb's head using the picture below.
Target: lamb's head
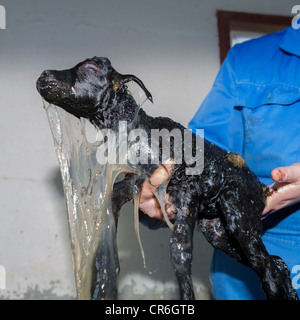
(86, 88)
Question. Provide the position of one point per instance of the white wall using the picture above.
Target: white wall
(172, 46)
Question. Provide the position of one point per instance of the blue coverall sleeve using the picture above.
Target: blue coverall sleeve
(219, 117)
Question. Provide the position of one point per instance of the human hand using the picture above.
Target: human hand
(148, 202)
(286, 189)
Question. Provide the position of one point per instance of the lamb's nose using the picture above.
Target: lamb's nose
(45, 73)
(40, 83)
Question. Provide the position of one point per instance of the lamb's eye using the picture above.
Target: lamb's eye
(92, 67)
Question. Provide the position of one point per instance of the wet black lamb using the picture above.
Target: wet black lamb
(225, 200)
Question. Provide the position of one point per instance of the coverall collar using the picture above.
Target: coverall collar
(291, 41)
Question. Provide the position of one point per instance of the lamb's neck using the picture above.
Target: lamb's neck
(119, 108)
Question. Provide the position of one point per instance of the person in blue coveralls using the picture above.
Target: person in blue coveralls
(253, 109)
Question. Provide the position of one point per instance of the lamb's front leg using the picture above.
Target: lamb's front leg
(181, 251)
(106, 267)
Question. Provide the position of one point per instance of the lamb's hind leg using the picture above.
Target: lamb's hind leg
(215, 233)
(285, 270)
(181, 251)
(275, 282)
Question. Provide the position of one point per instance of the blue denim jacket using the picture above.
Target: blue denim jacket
(253, 109)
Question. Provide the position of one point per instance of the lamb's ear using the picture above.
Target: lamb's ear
(129, 77)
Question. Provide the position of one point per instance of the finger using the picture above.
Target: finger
(171, 212)
(278, 174)
(285, 196)
(172, 216)
(153, 213)
(161, 174)
(287, 174)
